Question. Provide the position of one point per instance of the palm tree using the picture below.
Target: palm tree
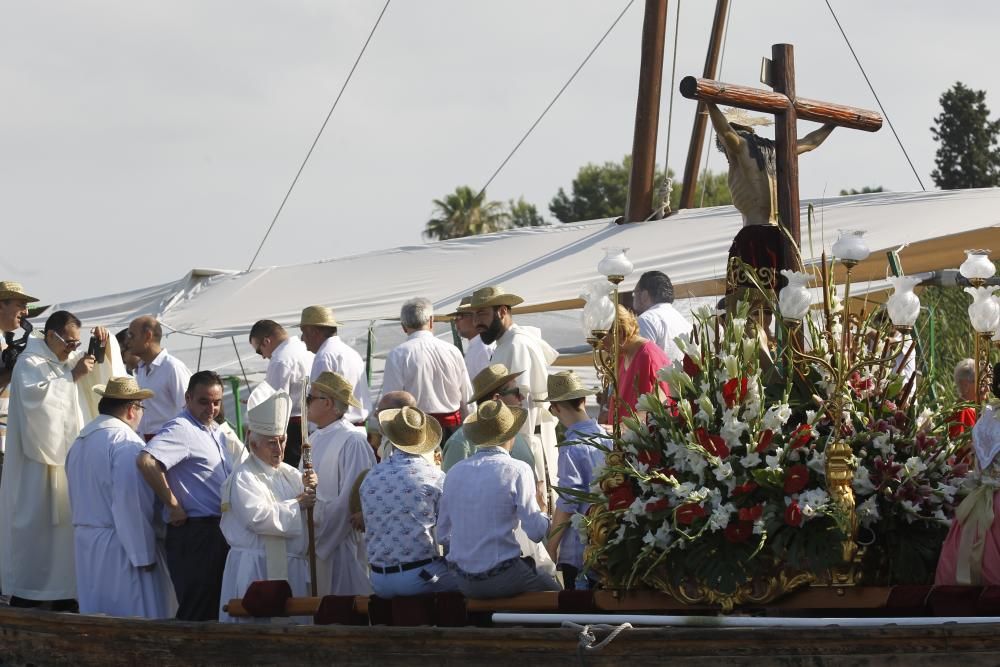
(464, 213)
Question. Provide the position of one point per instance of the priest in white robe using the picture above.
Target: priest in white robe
(340, 454)
(263, 508)
(121, 569)
(51, 400)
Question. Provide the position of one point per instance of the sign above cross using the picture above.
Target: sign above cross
(787, 108)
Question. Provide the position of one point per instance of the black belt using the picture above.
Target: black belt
(403, 567)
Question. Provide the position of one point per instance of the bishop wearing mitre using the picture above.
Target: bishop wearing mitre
(263, 508)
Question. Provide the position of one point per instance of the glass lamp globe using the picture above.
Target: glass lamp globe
(984, 313)
(795, 298)
(615, 263)
(977, 265)
(851, 247)
(903, 305)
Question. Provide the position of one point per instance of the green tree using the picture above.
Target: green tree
(967, 154)
(523, 214)
(863, 191)
(601, 191)
(464, 213)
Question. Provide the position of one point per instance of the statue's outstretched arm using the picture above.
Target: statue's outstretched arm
(730, 139)
(814, 139)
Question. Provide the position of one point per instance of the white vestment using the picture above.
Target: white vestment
(47, 411)
(114, 525)
(266, 530)
(340, 454)
(522, 349)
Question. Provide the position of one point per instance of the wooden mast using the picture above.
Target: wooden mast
(639, 204)
(701, 114)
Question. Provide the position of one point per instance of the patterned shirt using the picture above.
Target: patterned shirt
(399, 499)
(577, 460)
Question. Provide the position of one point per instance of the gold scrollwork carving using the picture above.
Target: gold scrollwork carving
(755, 592)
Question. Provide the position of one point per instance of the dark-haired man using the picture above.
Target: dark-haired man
(288, 367)
(158, 371)
(186, 464)
(659, 321)
(50, 383)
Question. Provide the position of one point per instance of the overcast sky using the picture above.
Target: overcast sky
(142, 139)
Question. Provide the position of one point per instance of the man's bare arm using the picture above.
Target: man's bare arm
(730, 139)
(153, 473)
(814, 139)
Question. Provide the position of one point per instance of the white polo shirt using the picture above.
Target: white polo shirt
(661, 324)
(167, 377)
(289, 369)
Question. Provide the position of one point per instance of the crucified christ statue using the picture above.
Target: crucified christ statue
(752, 173)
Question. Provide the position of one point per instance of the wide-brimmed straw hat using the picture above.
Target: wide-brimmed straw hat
(318, 316)
(494, 295)
(335, 386)
(410, 430)
(494, 423)
(488, 380)
(12, 290)
(465, 306)
(125, 388)
(564, 386)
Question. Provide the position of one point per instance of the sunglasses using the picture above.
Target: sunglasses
(70, 344)
(516, 391)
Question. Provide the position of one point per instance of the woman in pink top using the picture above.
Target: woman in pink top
(638, 361)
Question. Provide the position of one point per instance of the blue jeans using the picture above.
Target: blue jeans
(438, 579)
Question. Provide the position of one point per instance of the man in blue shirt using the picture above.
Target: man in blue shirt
(400, 499)
(578, 456)
(484, 499)
(186, 464)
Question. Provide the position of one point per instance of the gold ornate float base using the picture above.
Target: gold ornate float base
(755, 592)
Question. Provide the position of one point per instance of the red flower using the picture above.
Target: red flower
(751, 513)
(734, 391)
(744, 489)
(793, 515)
(688, 513)
(650, 457)
(765, 441)
(739, 531)
(796, 478)
(621, 497)
(690, 367)
(801, 436)
(713, 444)
(658, 506)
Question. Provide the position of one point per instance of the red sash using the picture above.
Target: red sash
(450, 420)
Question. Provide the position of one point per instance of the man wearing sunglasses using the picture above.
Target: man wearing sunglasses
(51, 400)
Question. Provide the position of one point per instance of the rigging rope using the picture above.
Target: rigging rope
(877, 100)
(556, 98)
(711, 130)
(587, 636)
(668, 181)
(319, 134)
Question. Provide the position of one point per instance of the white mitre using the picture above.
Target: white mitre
(268, 411)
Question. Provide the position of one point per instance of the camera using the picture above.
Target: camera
(96, 349)
(15, 347)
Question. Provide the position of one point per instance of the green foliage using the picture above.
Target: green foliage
(967, 155)
(601, 191)
(863, 191)
(464, 213)
(952, 335)
(523, 214)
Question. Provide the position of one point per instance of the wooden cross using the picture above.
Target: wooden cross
(779, 73)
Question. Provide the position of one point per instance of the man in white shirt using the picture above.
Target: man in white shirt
(160, 372)
(288, 368)
(477, 353)
(430, 369)
(263, 510)
(340, 453)
(485, 498)
(659, 321)
(13, 310)
(319, 333)
(120, 569)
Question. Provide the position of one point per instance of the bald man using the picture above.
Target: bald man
(159, 371)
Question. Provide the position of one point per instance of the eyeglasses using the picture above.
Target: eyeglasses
(70, 344)
(516, 391)
(138, 406)
(310, 398)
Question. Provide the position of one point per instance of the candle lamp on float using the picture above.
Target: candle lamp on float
(984, 312)
(794, 302)
(849, 249)
(615, 267)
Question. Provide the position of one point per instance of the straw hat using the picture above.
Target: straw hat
(564, 386)
(335, 386)
(494, 295)
(12, 290)
(742, 117)
(494, 423)
(125, 388)
(410, 430)
(318, 316)
(465, 306)
(270, 416)
(489, 380)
